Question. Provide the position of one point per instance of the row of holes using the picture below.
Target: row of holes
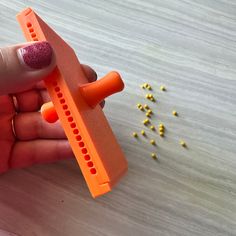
(31, 31)
(67, 113)
(75, 130)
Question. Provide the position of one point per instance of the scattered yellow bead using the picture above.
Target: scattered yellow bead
(161, 129)
(149, 87)
(146, 107)
(150, 111)
(152, 99)
(162, 88)
(152, 141)
(148, 114)
(139, 105)
(149, 96)
(146, 121)
(182, 143)
(152, 127)
(143, 132)
(154, 156)
(161, 134)
(174, 113)
(145, 85)
(135, 134)
(161, 125)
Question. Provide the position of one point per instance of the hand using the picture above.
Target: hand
(25, 138)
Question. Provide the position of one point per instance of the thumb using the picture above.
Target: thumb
(23, 65)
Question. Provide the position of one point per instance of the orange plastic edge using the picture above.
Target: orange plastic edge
(101, 159)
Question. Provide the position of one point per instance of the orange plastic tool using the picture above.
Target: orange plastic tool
(76, 103)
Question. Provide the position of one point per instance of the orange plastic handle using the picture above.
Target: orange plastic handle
(95, 92)
(75, 103)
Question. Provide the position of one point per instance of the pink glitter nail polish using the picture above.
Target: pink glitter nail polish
(37, 55)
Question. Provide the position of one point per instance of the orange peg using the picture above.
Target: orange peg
(97, 91)
(49, 113)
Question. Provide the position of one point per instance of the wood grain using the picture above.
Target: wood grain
(189, 46)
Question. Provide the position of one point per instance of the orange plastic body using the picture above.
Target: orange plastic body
(76, 104)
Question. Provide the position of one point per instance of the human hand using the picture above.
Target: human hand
(25, 138)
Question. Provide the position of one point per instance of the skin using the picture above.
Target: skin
(33, 140)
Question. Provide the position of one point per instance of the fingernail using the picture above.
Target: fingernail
(95, 74)
(36, 56)
(102, 103)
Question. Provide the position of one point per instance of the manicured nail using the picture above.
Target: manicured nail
(36, 56)
(102, 103)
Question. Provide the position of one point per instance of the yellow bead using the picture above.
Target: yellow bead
(135, 134)
(143, 132)
(152, 141)
(149, 87)
(161, 125)
(161, 134)
(162, 88)
(161, 129)
(152, 127)
(153, 155)
(174, 113)
(148, 114)
(146, 121)
(145, 85)
(140, 107)
(146, 106)
(182, 143)
(150, 111)
(150, 97)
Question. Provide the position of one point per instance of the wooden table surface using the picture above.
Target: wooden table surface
(188, 46)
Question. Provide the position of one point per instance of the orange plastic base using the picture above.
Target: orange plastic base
(76, 103)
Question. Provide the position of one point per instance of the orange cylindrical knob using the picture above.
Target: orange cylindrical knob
(97, 91)
(49, 113)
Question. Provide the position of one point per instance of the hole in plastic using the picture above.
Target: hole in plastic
(67, 113)
(57, 89)
(93, 171)
(59, 95)
(90, 164)
(87, 157)
(72, 125)
(75, 131)
(81, 144)
(84, 150)
(65, 107)
(70, 119)
(78, 137)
